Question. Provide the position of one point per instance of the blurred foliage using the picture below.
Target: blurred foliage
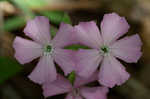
(8, 68)
(14, 23)
(136, 15)
(35, 3)
(53, 31)
(23, 7)
(57, 17)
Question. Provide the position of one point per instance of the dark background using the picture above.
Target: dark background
(14, 14)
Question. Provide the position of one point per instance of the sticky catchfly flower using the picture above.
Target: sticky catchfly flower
(78, 91)
(48, 50)
(106, 47)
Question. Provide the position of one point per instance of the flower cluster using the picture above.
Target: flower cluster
(104, 47)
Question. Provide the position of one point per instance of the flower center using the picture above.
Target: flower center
(48, 48)
(104, 49)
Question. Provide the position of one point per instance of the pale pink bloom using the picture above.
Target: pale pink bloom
(48, 50)
(106, 48)
(78, 91)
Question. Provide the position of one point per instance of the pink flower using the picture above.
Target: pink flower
(78, 91)
(48, 50)
(106, 48)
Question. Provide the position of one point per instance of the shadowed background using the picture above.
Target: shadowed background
(14, 14)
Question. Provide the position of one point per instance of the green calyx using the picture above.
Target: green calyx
(72, 77)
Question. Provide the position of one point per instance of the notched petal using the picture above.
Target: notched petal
(38, 29)
(112, 72)
(26, 50)
(112, 27)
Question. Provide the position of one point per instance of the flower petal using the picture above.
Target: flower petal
(59, 86)
(94, 92)
(65, 36)
(70, 96)
(79, 81)
(45, 71)
(26, 50)
(87, 62)
(65, 59)
(88, 34)
(38, 29)
(113, 26)
(128, 48)
(112, 72)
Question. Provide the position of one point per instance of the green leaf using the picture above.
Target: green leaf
(76, 47)
(57, 17)
(72, 77)
(66, 18)
(8, 68)
(14, 23)
(54, 16)
(53, 31)
(36, 3)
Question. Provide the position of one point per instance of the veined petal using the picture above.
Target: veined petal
(88, 34)
(112, 27)
(112, 72)
(94, 92)
(45, 71)
(26, 50)
(65, 36)
(38, 29)
(65, 59)
(59, 86)
(71, 96)
(87, 61)
(79, 81)
(128, 48)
